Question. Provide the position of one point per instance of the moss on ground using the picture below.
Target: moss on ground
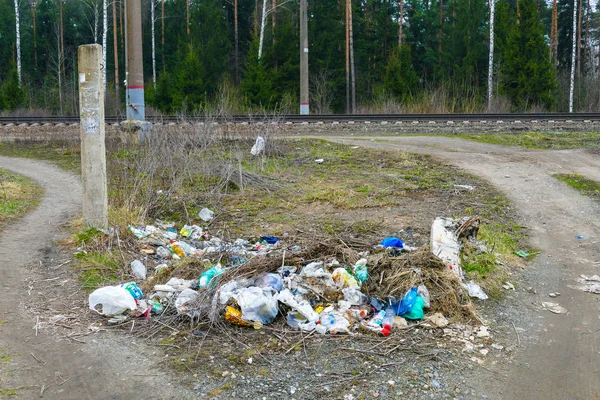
(583, 185)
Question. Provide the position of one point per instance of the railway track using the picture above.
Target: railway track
(329, 118)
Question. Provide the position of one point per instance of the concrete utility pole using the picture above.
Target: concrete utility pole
(93, 152)
(135, 68)
(304, 103)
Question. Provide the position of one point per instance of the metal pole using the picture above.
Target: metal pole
(304, 103)
(93, 152)
(135, 69)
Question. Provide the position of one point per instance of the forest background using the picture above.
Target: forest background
(407, 55)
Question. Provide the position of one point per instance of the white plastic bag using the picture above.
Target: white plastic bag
(206, 215)
(114, 300)
(257, 304)
(258, 147)
(475, 290)
(303, 307)
(445, 245)
(183, 302)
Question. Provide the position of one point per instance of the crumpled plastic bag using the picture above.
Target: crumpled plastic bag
(272, 281)
(257, 304)
(179, 284)
(183, 302)
(475, 290)
(407, 302)
(296, 320)
(114, 300)
(333, 322)
(259, 146)
(424, 293)
(303, 307)
(344, 279)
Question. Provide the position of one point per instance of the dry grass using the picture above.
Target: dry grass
(18, 195)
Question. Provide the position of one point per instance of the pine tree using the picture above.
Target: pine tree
(528, 77)
(400, 77)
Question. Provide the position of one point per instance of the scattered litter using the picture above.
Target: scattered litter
(554, 294)
(438, 320)
(251, 283)
(483, 332)
(508, 286)
(497, 346)
(444, 243)
(468, 187)
(484, 352)
(259, 146)
(554, 307)
(589, 284)
(475, 290)
(206, 215)
(319, 160)
(522, 253)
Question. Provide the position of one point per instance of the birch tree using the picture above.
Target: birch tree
(491, 56)
(153, 20)
(263, 23)
(573, 49)
(18, 32)
(104, 36)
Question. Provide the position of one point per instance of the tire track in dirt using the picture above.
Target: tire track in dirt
(560, 355)
(107, 366)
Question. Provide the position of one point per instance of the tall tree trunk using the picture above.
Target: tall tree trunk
(121, 23)
(263, 23)
(400, 22)
(33, 10)
(256, 18)
(153, 20)
(62, 42)
(554, 34)
(587, 36)
(18, 33)
(273, 23)
(104, 39)
(187, 16)
(441, 32)
(353, 80)
(574, 42)
(59, 69)
(237, 48)
(491, 56)
(115, 48)
(163, 37)
(579, 18)
(348, 55)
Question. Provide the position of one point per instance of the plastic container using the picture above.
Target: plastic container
(355, 296)
(133, 289)
(138, 269)
(388, 322)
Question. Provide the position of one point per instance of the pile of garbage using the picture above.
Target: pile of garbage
(251, 283)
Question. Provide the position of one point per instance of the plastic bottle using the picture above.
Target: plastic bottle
(377, 319)
(187, 249)
(355, 296)
(388, 321)
(138, 269)
(133, 289)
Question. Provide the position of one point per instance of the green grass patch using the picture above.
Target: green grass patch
(585, 186)
(98, 269)
(538, 140)
(65, 154)
(18, 196)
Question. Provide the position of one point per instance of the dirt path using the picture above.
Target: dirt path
(107, 366)
(559, 356)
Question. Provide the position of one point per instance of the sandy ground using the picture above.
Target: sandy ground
(558, 357)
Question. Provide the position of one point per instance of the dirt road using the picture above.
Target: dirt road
(560, 354)
(558, 358)
(106, 366)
